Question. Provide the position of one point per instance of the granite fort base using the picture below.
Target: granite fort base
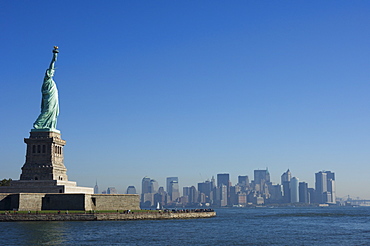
(44, 201)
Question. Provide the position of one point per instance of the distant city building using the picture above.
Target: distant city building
(145, 185)
(294, 190)
(276, 194)
(303, 193)
(112, 190)
(242, 198)
(206, 189)
(168, 183)
(221, 193)
(285, 182)
(223, 179)
(243, 181)
(286, 176)
(261, 178)
(325, 187)
(175, 191)
(131, 190)
(311, 195)
(96, 188)
(148, 188)
(161, 197)
(193, 195)
(234, 194)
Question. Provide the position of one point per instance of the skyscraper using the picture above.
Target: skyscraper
(325, 187)
(153, 186)
(131, 190)
(286, 176)
(148, 187)
(145, 185)
(276, 194)
(303, 193)
(294, 190)
(222, 195)
(261, 178)
(112, 190)
(223, 178)
(285, 182)
(243, 181)
(174, 190)
(206, 189)
(96, 188)
(168, 183)
(223, 189)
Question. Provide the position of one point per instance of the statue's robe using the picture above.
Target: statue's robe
(49, 104)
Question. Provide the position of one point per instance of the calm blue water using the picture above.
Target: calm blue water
(233, 226)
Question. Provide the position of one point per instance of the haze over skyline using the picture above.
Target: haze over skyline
(192, 89)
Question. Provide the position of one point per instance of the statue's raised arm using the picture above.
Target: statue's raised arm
(47, 119)
(54, 59)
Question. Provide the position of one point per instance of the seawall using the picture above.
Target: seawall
(104, 216)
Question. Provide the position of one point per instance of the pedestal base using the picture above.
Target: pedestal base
(45, 186)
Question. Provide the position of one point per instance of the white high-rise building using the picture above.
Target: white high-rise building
(325, 187)
(294, 190)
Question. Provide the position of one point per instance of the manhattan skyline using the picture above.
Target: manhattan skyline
(189, 90)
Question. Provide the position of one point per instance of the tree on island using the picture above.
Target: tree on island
(5, 182)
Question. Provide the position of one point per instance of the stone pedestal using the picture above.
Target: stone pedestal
(44, 170)
(44, 157)
(45, 186)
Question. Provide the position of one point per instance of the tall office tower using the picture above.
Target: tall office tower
(112, 190)
(243, 181)
(321, 186)
(213, 190)
(311, 195)
(168, 183)
(146, 192)
(96, 188)
(213, 182)
(175, 191)
(294, 190)
(131, 190)
(202, 198)
(303, 193)
(185, 191)
(276, 194)
(286, 176)
(160, 198)
(145, 185)
(224, 179)
(153, 186)
(222, 195)
(285, 182)
(205, 188)
(325, 187)
(261, 177)
(193, 195)
(331, 186)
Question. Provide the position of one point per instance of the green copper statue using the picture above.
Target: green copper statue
(47, 120)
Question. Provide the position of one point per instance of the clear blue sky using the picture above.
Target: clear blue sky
(192, 88)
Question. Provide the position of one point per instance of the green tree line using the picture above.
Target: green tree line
(5, 182)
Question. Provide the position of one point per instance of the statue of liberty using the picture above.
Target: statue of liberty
(47, 120)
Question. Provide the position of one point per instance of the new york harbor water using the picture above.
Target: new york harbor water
(231, 226)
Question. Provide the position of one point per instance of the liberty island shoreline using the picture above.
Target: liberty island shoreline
(99, 216)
